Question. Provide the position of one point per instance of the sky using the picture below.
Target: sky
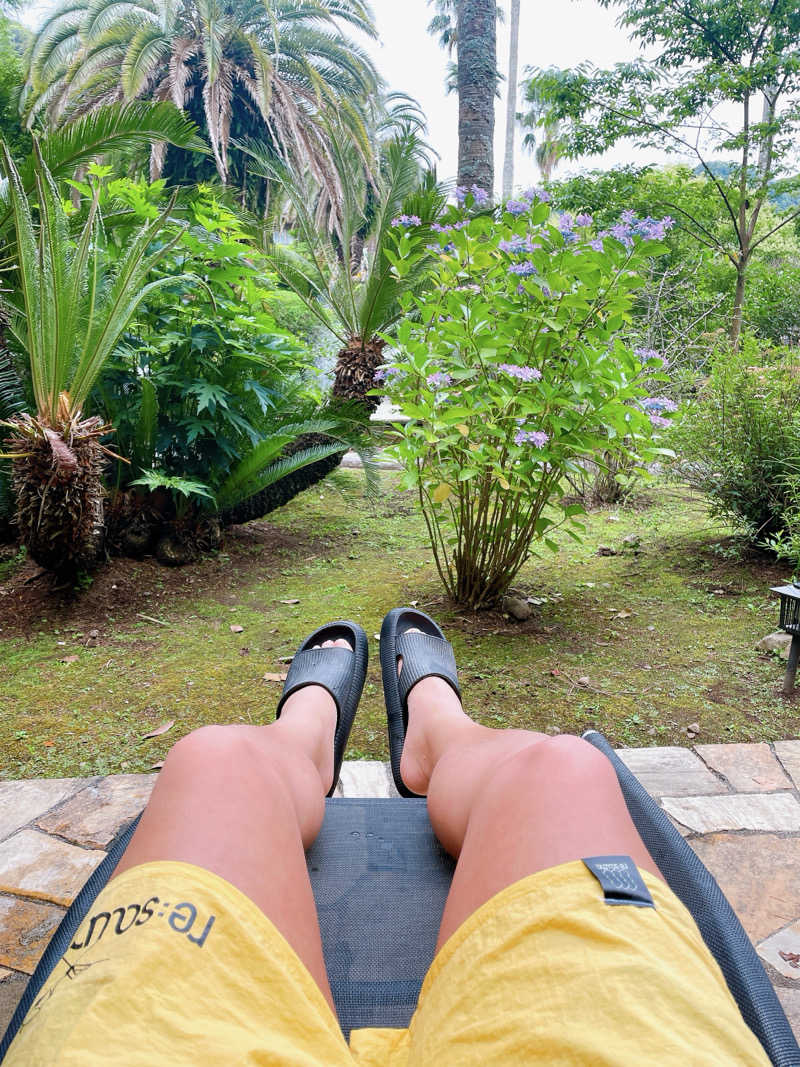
(559, 33)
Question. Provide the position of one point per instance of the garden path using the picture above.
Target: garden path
(738, 806)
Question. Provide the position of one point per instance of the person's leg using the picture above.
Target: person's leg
(509, 803)
(244, 802)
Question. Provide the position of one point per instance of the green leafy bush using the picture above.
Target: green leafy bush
(738, 441)
(513, 373)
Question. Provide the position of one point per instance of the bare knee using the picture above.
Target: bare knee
(209, 746)
(564, 763)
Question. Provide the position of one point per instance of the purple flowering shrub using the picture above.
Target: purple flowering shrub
(512, 367)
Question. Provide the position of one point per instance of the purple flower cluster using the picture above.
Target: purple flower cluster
(597, 244)
(439, 379)
(584, 220)
(629, 227)
(388, 374)
(537, 438)
(437, 227)
(407, 220)
(659, 422)
(537, 193)
(657, 404)
(523, 269)
(518, 207)
(479, 195)
(649, 355)
(524, 374)
(516, 245)
(565, 225)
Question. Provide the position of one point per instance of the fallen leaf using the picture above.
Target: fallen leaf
(585, 680)
(162, 729)
(49, 744)
(285, 659)
(623, 615)
(279, 677)
(288, 601)
(237, 629)
(792, 958)
(441, 493)
(70, 659)
(414, 603)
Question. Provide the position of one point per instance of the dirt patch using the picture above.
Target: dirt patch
(124, 589)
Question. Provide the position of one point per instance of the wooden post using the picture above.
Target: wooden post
(791, 667)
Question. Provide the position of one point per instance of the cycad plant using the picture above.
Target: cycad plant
(346, 273)
(66, 311)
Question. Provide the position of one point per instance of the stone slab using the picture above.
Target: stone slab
(43, 867)
(94, 816)
(749, 768)
(366, 778)
(25, 930)
(21, 802)
(10, 995)
(782, 950)
(790, 999)
(4, 973)
(672, 771)
(788, 752)
(738, 811)
(760, 876)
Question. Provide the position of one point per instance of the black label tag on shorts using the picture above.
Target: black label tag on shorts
(621, 881)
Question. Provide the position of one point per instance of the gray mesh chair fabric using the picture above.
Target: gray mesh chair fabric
(380, 880)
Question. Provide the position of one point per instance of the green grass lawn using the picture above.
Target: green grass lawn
(639, 645)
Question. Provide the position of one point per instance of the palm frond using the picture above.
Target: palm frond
(236, 489)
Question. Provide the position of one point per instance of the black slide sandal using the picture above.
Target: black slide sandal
(339, 670)
(427, 654)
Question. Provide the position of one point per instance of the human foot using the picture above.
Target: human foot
(433, 710)
(311, 711)
(423, 701)
(322, 691)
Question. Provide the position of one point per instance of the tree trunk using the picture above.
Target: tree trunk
(511, 106)
(738, 303)
(477, 78)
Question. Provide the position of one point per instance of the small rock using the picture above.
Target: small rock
(606, 550)
(693, 729)
(93, 635)
(652, 732)
(778, 642)
(631, 540)
(237, 629)
(553, 730)
(517, 607)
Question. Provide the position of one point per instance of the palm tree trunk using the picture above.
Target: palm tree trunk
(511, 105)
(477, 80)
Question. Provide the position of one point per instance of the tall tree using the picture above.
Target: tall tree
(711, 54)
(476, 29)
(544, 131)
(286, 63)
(511, 103)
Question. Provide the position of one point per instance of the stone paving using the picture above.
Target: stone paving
(738, 806)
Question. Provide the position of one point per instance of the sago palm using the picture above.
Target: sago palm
(284, 63)
(357, 296)
(66, 311)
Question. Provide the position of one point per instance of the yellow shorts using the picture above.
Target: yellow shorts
(174, 966)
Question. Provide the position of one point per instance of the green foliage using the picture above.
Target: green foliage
(355, 301)
(66, 308)
(12, 75)
(183, 490)
(739, 439)
(703, 55)
(205, 372)
(514, 373)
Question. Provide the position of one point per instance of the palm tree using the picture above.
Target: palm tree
(548, 147)
(66, 312)
(511, 105)
(285, 63)
(358, 301)
(476, 29)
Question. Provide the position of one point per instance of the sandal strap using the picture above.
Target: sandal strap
(329, 667)
(425, 656)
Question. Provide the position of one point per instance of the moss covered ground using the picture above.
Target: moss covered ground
(640, 645)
